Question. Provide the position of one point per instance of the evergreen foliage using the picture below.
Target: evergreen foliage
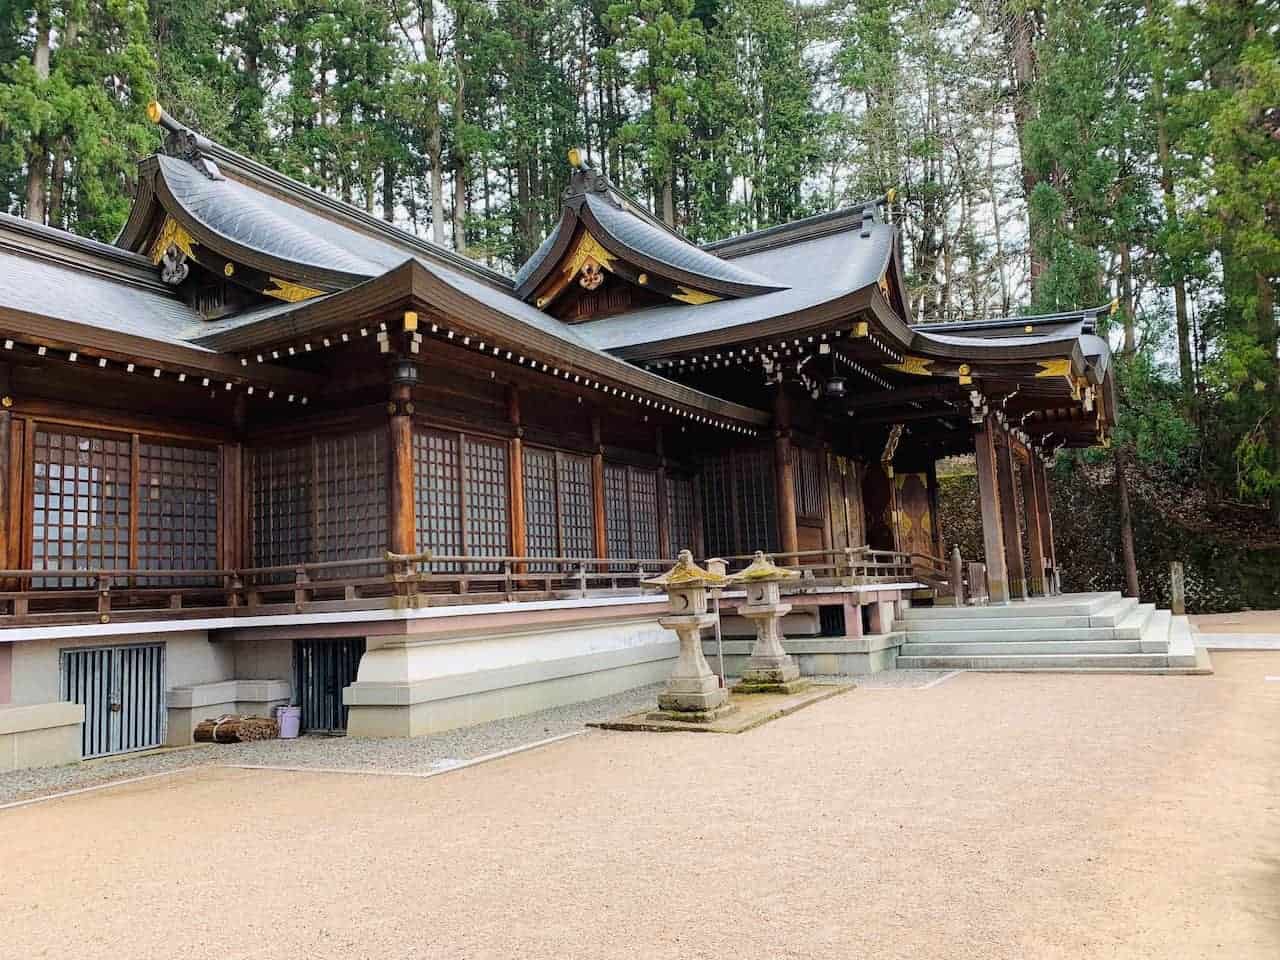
(1045, 153)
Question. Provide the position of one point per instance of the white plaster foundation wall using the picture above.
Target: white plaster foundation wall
(190, 660)
(408, 688)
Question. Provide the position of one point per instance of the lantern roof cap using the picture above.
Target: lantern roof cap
(686, 573)
(763, 570)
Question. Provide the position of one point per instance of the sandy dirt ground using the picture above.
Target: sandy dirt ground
(989, 816)
(1248, 621)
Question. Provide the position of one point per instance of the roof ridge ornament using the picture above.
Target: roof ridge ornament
(183, 143)
(586, 179)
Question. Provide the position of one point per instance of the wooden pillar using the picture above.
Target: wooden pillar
(984, 451)
(597, 488)
(6, 432)
(784, 478)
(1046, 526)
(931, 480)
(515, 477)
(664, 513)
(401, 523)
(1007, 479)
(1036, 582)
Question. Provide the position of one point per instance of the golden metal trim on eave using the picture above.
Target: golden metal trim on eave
(919, 366)
(290, 292)
(689, 295)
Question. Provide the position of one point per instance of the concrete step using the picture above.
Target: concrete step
(1122, 662)
(1135, 622)
(1155, 636)
(978, 648)
(1067, 605)
(920, 633)
(1183, 650)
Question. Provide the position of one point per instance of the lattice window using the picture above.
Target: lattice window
(617, 511)
(80, 504)
(577, 505)
(177, 509)
(280, 505)
(437, 488)
(681, 513)
(756, 500)
(541, 538)
(351, 498)
(738, 502)
(631, 512)
(644, 514)
(487, 518)
(808, 482)
(718, 517)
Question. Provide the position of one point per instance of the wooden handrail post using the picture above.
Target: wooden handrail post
(506, 579)
(582, 580)
(104, 598)
(235, 587)
(300, 587)
(957, 576)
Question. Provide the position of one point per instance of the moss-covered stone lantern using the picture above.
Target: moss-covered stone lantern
(693, 693)
(769, 669)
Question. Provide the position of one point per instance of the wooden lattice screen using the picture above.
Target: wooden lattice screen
(177, 508)
(462, 494)
(80, 503)
(350, 496)
(739, 502)
(559, 505)
(682, 513)
(280, 505)
(631, 511)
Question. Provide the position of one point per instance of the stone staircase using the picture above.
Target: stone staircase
(1083, 632)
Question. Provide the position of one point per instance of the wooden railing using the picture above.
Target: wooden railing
(45, 597)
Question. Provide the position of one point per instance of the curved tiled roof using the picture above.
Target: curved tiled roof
(661, 245)
(255, 219)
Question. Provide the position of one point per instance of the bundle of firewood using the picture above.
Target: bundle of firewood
(230, 728)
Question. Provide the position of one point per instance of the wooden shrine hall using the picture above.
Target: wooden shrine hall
(268, 448)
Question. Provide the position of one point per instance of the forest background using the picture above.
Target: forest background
(1044, 155)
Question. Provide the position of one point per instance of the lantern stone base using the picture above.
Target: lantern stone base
(692, 716)
(693, 689)
(769, 669)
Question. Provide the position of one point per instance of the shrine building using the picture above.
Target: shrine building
(267, 448)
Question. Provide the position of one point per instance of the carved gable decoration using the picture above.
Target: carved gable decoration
(608, 255)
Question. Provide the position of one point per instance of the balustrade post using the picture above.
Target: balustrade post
(300, 589)
(104, 598)
(582, 580)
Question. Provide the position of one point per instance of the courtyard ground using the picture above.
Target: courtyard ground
(984, 816)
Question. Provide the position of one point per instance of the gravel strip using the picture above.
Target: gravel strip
(419, 754)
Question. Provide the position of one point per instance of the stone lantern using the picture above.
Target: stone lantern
(769, 669)
(693, 693)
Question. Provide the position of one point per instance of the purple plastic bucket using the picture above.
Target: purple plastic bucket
(290, 720)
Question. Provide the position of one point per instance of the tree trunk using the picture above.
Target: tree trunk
(1127, 305)
(1020, 35)
(433, 146)
(38, 151)
(1126, 523)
